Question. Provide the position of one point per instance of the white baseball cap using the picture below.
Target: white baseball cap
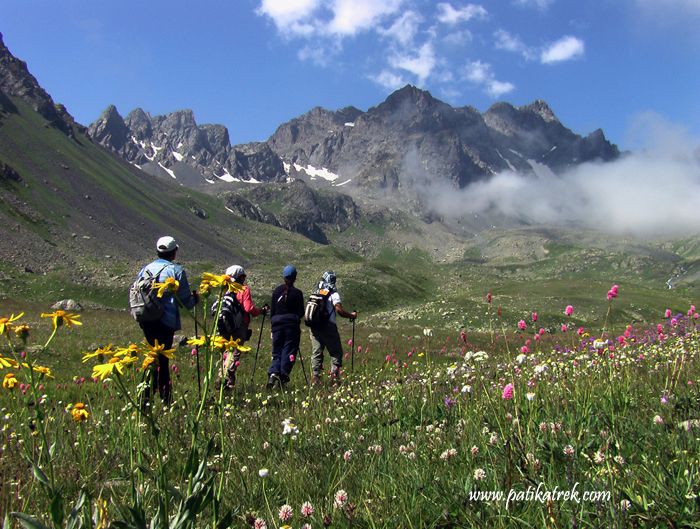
(235, 271)
(166, 244)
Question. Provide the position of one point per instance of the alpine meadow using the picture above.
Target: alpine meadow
(519, 325)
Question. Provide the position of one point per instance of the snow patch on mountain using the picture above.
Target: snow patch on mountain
(169, 171)
(314, 173)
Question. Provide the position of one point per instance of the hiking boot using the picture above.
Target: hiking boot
(273, 381)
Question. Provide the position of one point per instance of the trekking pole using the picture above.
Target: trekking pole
(255, 363)
(196, 352)
(301, 359)
(352, 353)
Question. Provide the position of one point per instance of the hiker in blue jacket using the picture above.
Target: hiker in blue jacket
(287, 310)
(327, 335)
(164, 329)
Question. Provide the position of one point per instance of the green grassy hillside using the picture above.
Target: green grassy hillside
(81, 222)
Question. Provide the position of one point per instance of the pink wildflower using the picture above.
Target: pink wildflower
(667, 314)
(541, 331)
(522, 325)
(488, 297)
(534, 316)
(659, 328)
(285, 513)
(340, 499)
(569, 310)
(674, 322)
(564, 328)
(307, 509)
(292, 358)
(507, 392)
(580, 331)
(524, 349)
(350, 342)
(259, 524)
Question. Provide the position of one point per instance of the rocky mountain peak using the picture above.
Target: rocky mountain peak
(16, 81)
(408, 97)
(110, 128)
(542, 109)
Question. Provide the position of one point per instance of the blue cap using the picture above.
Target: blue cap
(289, 271)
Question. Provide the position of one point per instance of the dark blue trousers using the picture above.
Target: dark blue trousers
(155, 330)
(285, 346)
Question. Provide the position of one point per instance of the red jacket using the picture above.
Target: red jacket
(249, 307)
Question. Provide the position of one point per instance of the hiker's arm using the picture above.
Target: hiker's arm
(187, 297)
(248, 304)
(344, 313)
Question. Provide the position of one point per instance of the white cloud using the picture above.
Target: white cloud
(481, 74)
(449, 15)
(458, 38)
(506, 41)
(289, 15)
(353, 16)
(404, 29)
(498, 88)
(539, 4)
(654, 192)
(421, 65)
(565, 49)
(320, 54)
(389, 80)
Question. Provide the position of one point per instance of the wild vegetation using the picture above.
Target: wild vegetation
(527, 418)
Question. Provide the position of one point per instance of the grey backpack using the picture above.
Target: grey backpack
(144, 303)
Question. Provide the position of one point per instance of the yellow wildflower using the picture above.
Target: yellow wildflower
(61, 317)
(197, 340)
(216, 281)
(7, 362)
(22, 331)
(6, 323)
(149, 360)
(222, 343)
(160, 349)
(100, 351)
(169, 285)
(131, 350)
(79, 413)
(101, 371)
(39, 369)
(10, 381)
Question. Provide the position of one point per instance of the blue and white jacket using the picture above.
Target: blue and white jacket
(171, 314)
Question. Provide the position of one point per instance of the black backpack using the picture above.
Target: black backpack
(144, 303)
(315, 314)
(230, 324)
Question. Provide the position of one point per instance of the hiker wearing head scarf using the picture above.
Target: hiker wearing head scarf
(286, 312)
(245, 300)
(326, 336)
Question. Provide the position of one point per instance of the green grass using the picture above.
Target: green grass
(405, 439)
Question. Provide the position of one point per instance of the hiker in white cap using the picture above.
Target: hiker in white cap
(164, 328)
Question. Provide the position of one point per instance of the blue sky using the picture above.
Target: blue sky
(254, 64)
